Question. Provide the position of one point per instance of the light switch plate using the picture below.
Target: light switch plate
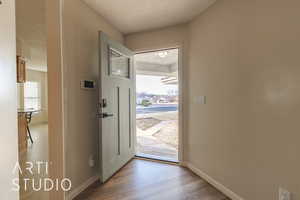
(91, 161)
(284, 194)
(200, 100)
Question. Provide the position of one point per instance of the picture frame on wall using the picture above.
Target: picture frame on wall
(21, 69)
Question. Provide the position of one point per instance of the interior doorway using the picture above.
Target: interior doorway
(157, 104)
(32, 97)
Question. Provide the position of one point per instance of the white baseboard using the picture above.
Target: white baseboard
(190, 166)
(183, 164)
(82, 187)
(213, 182)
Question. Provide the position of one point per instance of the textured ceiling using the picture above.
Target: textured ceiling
(126, 15)
(170, 57)
(131, 16)
(159, 63)
(31, 33)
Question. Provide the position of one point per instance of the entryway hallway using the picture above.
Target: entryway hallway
(147, 180)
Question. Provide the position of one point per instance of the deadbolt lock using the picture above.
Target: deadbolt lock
(103, 103)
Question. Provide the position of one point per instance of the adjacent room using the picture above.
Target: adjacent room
(32, 88)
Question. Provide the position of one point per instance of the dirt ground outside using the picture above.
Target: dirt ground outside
(157, 135)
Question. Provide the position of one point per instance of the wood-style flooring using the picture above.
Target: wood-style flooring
(38, 151)
(147, 180)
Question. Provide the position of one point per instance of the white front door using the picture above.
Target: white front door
(116, 109)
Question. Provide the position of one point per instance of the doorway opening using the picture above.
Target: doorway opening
(157, 102)
(32, 97)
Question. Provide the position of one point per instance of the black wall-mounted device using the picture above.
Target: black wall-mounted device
(87, 84)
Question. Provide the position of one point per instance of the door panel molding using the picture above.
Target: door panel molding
(115, 135)
(129, 117)
(119, 120)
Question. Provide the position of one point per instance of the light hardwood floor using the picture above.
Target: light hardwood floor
(38, 151)
(147, 180)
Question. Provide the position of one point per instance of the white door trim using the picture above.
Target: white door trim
(8, 100)
(56, 118)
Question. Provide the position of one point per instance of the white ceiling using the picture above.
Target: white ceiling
(131, 16)
(152, 63)
(126, 15)
(170, 58)
(31, 33)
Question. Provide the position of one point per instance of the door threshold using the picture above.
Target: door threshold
(156, 158)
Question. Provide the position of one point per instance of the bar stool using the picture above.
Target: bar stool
(28, 116)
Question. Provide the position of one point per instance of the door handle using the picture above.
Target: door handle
(104, 115)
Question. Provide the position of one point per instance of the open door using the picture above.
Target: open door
(116, 109)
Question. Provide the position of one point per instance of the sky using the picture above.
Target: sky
(152, 85)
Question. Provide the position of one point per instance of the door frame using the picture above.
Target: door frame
(8, 103)
(180, 94)
(56, 122)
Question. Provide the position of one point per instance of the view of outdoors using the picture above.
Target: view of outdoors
(157, 104)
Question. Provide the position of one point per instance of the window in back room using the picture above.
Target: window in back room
(32, 98)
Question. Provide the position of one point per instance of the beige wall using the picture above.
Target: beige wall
(81, 62)
(8, 100)
(157, 39)
(244, 56)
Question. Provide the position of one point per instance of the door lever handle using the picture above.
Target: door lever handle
(104, 115)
